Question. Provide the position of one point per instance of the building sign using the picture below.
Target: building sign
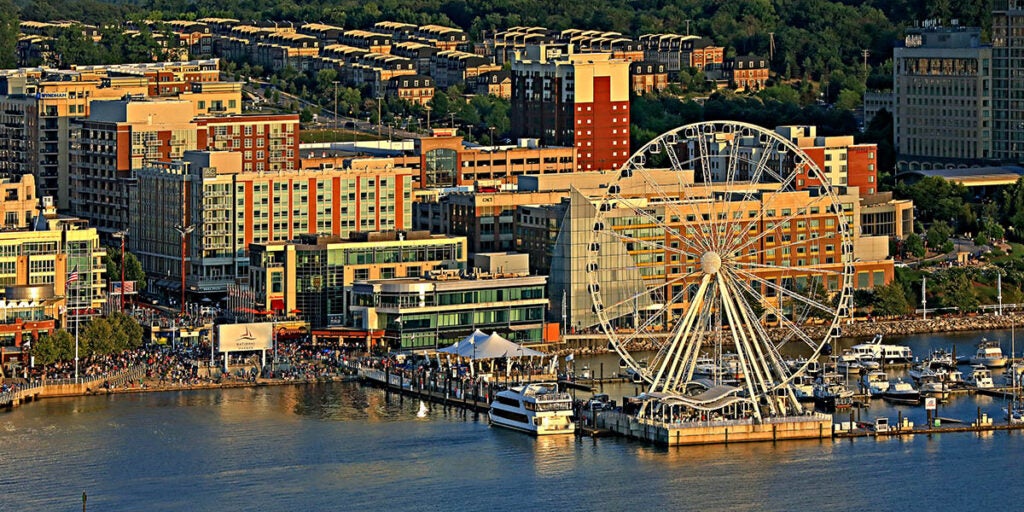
(252, 336)
(51, 95)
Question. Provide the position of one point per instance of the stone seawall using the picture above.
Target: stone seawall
(598, 344)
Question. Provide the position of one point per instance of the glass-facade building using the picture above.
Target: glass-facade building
(431, 313)
(312, 278)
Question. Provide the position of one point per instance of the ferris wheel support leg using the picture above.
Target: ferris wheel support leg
(740, 349)
(670, 370)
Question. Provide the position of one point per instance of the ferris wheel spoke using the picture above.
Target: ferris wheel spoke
(793, 330)
(782, 290)
(752, 322)
(669, 203)
(818, 269)
(667, 228)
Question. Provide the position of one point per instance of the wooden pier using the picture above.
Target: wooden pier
(438, 389)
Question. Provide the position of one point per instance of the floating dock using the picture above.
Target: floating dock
(810, 426)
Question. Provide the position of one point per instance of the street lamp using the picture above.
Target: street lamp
(335, 82)
(123, 235)
(184, 232)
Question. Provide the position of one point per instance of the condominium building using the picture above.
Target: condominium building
(942, 97)
(312, 277)
(123, 136)
(576, 100)
(39, 108)
(1008, 80)
(230, 209)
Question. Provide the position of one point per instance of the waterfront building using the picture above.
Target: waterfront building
(943, 99)
(486, 219)
(573, 99)
(230, 209)
(812, 241)
(1008, 80)
(311, 277)
(445, 306)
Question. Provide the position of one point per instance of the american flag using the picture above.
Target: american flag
(128, 287)
(73, 276)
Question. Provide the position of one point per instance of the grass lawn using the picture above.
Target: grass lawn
(331, 135)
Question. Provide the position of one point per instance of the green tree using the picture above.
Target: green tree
(132, 270)
(958, 291)
(938, 235)
(914, 245)
(58, 345)
(8, 34)
(98, 337)
(890, 300)
(848, 100)
(126, 330)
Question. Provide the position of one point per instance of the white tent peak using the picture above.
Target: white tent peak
(478, 346)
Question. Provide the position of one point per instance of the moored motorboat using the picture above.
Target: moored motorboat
(933, 386)
(831, 393)
(538, 409)
(980, 377)
(989, 354)
(903, 392)
(875, 383)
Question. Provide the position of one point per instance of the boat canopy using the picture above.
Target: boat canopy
(479, 346)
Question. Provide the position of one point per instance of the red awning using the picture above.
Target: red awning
(277, 304)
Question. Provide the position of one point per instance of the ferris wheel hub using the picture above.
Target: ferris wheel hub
(710, 262)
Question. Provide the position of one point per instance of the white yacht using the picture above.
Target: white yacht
(707, 367)
(989, 354)
(875, 383)
(980, 377)
(877, 351)
(538, 409)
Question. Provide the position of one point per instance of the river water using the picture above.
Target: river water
(348, 447)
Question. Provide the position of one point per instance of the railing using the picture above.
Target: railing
(9, 396)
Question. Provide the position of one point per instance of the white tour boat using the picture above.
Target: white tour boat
(538, 409)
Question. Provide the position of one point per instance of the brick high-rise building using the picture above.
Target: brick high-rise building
(577, 100)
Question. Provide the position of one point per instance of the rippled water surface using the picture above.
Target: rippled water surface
(346, 447)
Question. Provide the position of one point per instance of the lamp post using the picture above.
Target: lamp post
(335, 82)
(491, 128)
(122, 235)
(184, 232)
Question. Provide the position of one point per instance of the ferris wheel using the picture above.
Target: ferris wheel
(721, 240)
